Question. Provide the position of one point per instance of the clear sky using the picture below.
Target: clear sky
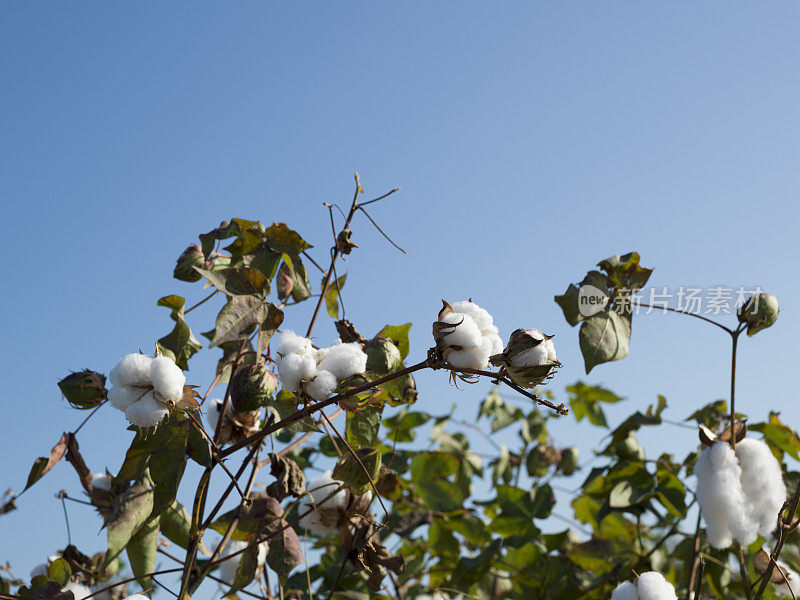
(530, 139)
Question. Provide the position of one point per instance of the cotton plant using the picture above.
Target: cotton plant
(146, 387)
(227, 568)
(648, 586)
(466, 335)
(740, 492)
(316, 372)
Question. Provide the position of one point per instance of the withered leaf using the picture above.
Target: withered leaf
(43, 464)
(289, 478)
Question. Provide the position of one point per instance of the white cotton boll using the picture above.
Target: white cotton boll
(625, 591)
(322, 386)
(323, 486)
(551, 350)
(653, 586)
(133, 369)
(762, 482)
(146, 412)
(214, 411)
(263, 549)
(343, 360)
(228, 568)
(466, 334)
(479, 315)
(532, 357)
(722, 502)
(293, 369)
(794, 581)
(122, 396)
(474, 358)
(167, 377)
(136, 597)
(78, 590)
(291, 343)
(101, 481)
(328, 495)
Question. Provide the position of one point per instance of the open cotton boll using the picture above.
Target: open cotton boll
(322, 385)
(167, 377)
(146, 412)
(723, 503)
(653, 586)
(474, 358)
(133, 369)
(136, 597)
(479, 315)
(214, 412)
(625, 591)
(466, 333)
(343, 360)
(325, 497)
(101, 481)
(762, 482)
(291, 343)
(794, 581)
(122, 396)
(79, 591)
(293, 369)
(537, 355)
(228, 568)
(551, 350)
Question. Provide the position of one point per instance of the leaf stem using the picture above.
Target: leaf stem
(683, 312)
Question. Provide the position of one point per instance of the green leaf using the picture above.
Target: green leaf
(266, 261)
(180, 344)
(59, 571)
(268, 327)
(604, 337)
(332, 296)
(362, 427)
(285, 240)
(585, 401)
(176, 525)
(624, 272)
(779, 436)
(399, 335)
(352, 473)
(130, 514)
(248, 234)
(400, 427)
(167, 464)
(43, 464)
(568, 301)
(502, 413)
(239, 317)
(141, 551)
(246, 571)
(237, 281)
(430, 472)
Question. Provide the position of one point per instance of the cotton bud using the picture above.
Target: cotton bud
(529, 358)
(759, 312)
(84, 389)
(383, 357)
(252, 387)
(185, 265)
(569, 460)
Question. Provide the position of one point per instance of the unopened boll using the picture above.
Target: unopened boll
(466, 335)
(740, 493)
(320, 510)
(228, 568)
(144, 388)
(649, 586)
(529, 357)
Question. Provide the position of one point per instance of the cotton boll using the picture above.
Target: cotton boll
(137, 597)
(533, 357)
(263, 549)
(653, 586)
(133, 369)
(146, 412)
(551, 350)
(167, 377)
(291, 343)
(322, 385)
(625, 591)
(343, 360)
(320, 488)
(228, 568)
(122, 396)
(474, 358)
(466, 334)
(79, 591)
(794, 581)
(762, 482)
(318, 509)
(293, 369)
(101, 481)
(479, 315)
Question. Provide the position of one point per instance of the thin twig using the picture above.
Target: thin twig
(683, 312)
(89, 416)
(206, 299)
(383, 233)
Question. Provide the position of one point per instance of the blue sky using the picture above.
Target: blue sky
(529, 139)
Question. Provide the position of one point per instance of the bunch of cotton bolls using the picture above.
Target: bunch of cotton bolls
(649, 586)
(144, 388)
(321, 508)
(228, 568)
(466, 335)
(740, 493)
(317, 372)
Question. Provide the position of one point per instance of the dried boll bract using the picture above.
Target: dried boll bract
(529, 357)
(466, 335)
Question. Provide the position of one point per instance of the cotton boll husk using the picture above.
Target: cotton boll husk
(762, 482)
(343, 360)
(122, 396)
(78, 590)
(781, 588)
(653, 586)
(322, 386)
(294, 368)
(481, 316)
(101, 481)
(133, 369)
(146, 412)
(228, 568)
(466, 333)
(291, 343)
(625, 591)
(722, 502)
(167, 377)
